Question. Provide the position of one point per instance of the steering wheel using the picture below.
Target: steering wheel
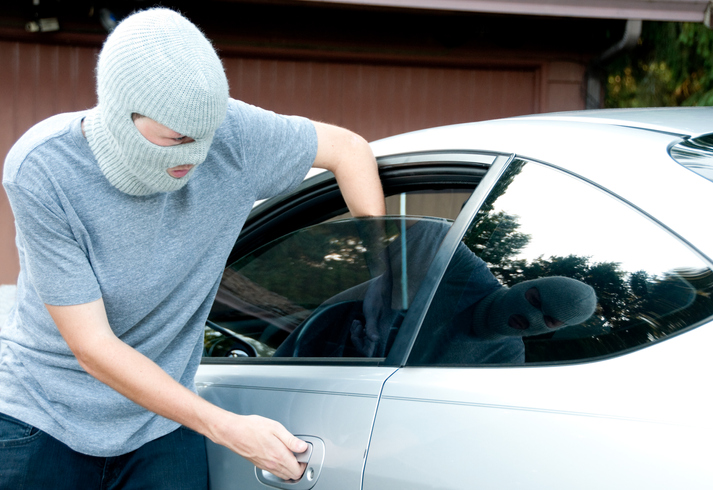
(325, 333)
(238, 347)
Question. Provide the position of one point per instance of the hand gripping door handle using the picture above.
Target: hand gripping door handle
(314, 457)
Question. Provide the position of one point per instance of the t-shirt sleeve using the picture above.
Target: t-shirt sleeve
(57, 264)
(278, 150)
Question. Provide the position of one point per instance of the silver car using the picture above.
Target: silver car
(536, 311)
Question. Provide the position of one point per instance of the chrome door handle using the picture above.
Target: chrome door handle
(313, 456)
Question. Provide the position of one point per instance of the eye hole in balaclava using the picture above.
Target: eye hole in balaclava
(533, 297)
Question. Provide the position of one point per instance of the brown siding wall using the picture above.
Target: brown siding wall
(36, 81)
(564, 86)
(375, 100)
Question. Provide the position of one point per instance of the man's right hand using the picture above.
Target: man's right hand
(263, 442)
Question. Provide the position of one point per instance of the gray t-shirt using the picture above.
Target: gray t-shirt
(155, 260)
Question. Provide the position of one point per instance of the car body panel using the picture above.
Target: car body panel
(336, 404)
(627, 422)
(683, 121)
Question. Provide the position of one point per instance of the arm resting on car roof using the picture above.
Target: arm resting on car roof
(349, 157)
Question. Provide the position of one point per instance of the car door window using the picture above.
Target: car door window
(554, 269)
(339, 289)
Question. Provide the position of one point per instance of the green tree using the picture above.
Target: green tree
(671, 66)
(495, 239)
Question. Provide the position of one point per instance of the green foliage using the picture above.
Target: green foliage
(671, 66)
(625, 298)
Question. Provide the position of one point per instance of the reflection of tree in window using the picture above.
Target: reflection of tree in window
(265, 295)
(240, 293)
(634, 308)
(493, 236)
(495, 239)
(309, 266)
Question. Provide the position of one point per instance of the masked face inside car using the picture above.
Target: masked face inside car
(535, 307)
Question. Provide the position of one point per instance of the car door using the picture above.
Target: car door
(302, 324)
(315, 311)
(616, 400)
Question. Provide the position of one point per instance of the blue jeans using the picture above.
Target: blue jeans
(31, 459)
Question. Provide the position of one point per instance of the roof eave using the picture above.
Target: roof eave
(661, 10)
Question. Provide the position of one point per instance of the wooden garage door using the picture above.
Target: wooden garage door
(378, 101)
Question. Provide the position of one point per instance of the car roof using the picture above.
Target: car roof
(624, 151)
(675, 121)
(688, 121)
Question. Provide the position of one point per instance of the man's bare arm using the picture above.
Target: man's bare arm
(349, 157)
(264, 442)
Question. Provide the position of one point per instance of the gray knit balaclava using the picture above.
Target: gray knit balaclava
(534, 307)
(158, 64)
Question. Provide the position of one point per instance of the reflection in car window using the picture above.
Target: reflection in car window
(440, 203)
(337, 289)
(553, 269)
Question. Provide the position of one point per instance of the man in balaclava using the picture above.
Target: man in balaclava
(188, 94)
(125, 216)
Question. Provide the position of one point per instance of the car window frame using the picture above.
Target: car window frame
(411, 327)
(465, 169)
(296, 209)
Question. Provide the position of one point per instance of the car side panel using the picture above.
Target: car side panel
(636, 421)
(333, 403)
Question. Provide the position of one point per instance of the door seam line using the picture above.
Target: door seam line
(373, 423)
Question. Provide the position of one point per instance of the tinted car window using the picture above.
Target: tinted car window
(553, 269)
(337, 289)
